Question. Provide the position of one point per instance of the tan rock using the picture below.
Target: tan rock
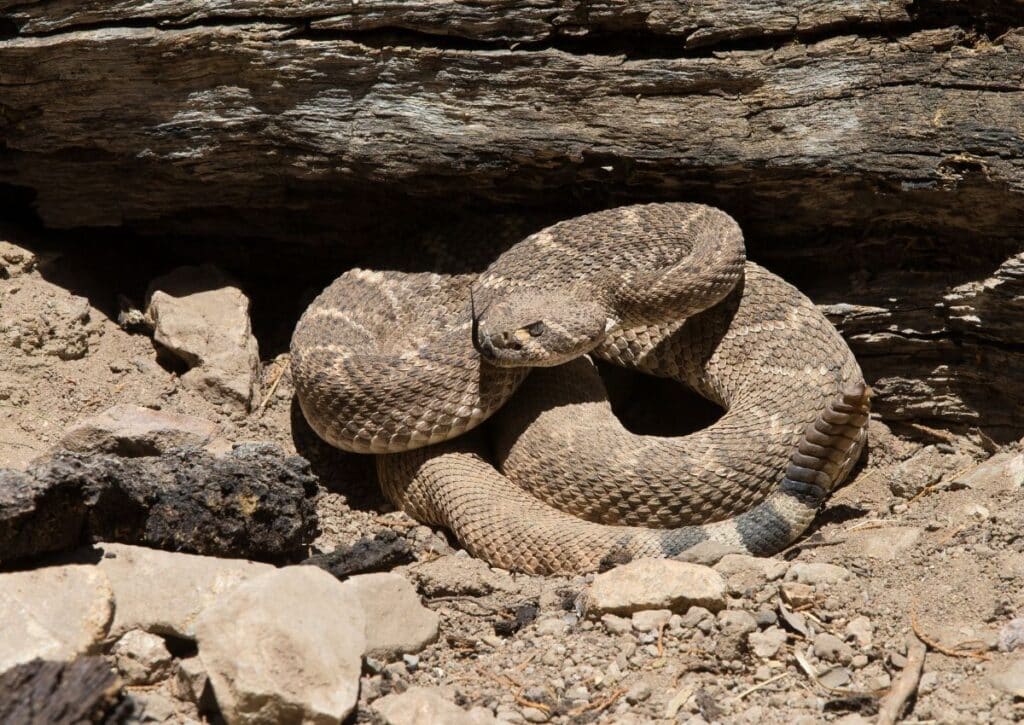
(53, 613)
(285, 647)
(657, 584)
(131, 430)
(396, 620)
(427, 706)
(164, 592)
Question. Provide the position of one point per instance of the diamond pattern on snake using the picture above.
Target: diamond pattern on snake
(407, 366)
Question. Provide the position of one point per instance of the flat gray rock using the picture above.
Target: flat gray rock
(427, 706)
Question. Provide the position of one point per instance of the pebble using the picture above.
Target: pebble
(830, 648)
(817, 573)
(656, 584)
(798, 595)
(295, 614)
(535, 714)
(1011, 635)
(426, 705)
(616, 624)
(736, 621)
(650, 620)
(885, 543)
(638, 693)
(553, 626)
(459, 576)
(1008, 677)
(836, 677)
(53, 613)
(142, 658)
(860, 630)
(768, 643)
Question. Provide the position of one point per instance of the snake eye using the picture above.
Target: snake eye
(536, 329)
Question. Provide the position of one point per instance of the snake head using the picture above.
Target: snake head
(522, 331)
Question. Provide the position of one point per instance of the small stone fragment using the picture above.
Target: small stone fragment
(142, 658)
(616, 624)
(53, 613)
(817, 573)
(203, 319)
(650, 620)
(767, 644)
(459, 576)
(830, 648)
(396, 621)
(861, 630)
(383, 552)
(656, 584)
(736, 622)
(298, 614)
(426, 706)
(638, 692)
(797, 594)
(131, 430)
(835, 678)
(1008, 677)
(1011, 636)
(886, 543)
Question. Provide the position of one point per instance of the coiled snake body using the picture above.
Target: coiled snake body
(407, 365)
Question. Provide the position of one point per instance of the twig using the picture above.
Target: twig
(661, 640)
(954, 651)
(283, 359)
(520, 700)
(599, 705)
(890, 706)
(761, 686)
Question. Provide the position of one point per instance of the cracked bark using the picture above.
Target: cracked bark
(873, 151)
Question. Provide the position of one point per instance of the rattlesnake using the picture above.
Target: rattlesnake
(407, 365)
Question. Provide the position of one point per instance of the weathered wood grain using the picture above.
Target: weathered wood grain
(873, 151)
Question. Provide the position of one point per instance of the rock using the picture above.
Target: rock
(426, 706)
(50, 322)
(254, 501)
(861, 630)
(298, 614)
(155, 706)
(53, 613)
(1008, 677)
(396, 621)
(142, 658)
(836, 678)
(817, 573)
(1002, 472)
(885, 543)
(743, 573)
(638, 692)
(85, 690)
(797, 594)
(192, 684)
(459, 576)
(522, 615)
(131, 430)
(203, 319)
(164, 592)
(767, 644)
(736, 622)
(925, 468)
(15, 261)
(535, 714)
(1011, 635)
(38, 516)
(386, 550)
(615, 624)
(656, 584)
(552, 626)
(830, 648)
(706, 553)
(649, 620)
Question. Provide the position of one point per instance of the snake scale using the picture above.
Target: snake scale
(408, 365)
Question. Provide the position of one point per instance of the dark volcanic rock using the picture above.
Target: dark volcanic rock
(253, 502)
(83, 691)
(383, 552)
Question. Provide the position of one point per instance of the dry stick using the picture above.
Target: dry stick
(890, 706)
(761, 685)
(273, 385)
(954, 651)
